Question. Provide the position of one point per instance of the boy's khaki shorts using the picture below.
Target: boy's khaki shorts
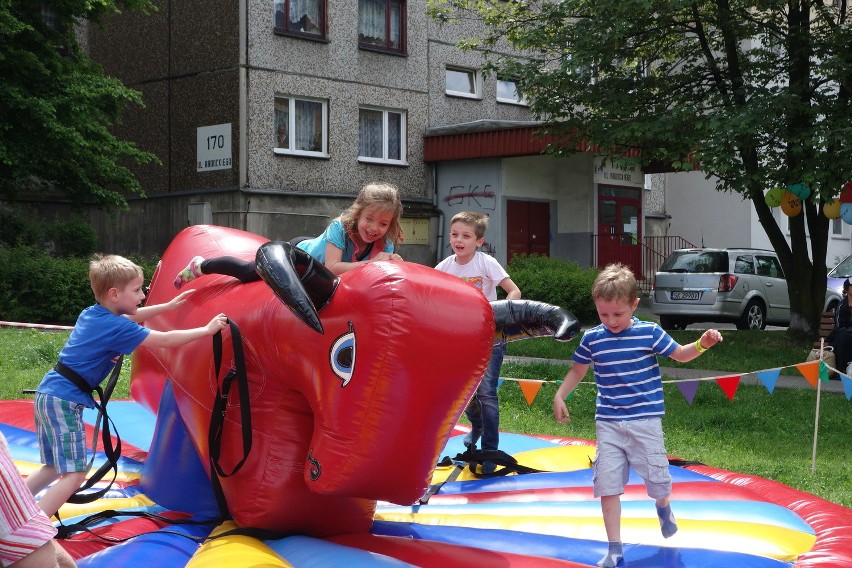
(624, 444)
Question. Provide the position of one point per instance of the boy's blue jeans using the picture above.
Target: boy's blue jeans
(483, 410)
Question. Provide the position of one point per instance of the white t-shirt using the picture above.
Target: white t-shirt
(483, 272)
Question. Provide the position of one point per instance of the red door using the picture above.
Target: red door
(620, 227)
(528, 228)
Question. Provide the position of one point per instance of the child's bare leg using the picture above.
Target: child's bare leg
(668, 523)
(60, 491)
(611, 509)
(41, 478)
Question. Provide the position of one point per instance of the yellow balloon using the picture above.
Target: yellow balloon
(790, 204)
(773, 196)
(832, 209)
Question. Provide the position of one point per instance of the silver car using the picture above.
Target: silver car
(740, 285)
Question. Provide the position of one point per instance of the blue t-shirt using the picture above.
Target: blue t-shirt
(98, 338)
(336, 235)
(627, 374)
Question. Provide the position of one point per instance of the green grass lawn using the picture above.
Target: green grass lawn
(769, 435)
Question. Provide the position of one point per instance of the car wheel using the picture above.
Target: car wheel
(754, 316)
(671, 323)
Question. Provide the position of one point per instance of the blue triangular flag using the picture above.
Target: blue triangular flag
(847, 385)
(768, 378)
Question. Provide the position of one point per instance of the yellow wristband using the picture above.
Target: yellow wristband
(698, 347)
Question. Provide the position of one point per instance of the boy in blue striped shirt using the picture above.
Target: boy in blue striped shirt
(629, 405)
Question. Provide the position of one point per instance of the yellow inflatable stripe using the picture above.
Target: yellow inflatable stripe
(749, 538)
(69, 510)
(235, 552)
(27, 468)
(557, 458)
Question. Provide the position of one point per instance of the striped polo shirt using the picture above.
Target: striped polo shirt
(627, 374)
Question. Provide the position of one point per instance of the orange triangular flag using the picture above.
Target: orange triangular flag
(530, 389)
(810, 371)
(729, 385)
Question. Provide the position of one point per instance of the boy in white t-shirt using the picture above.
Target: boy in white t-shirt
(467, 234)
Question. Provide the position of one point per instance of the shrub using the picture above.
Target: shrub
(68, 238)
(36, 287)
(556, 281)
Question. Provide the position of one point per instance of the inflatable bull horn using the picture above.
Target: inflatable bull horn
(299, 280)
(522, 319)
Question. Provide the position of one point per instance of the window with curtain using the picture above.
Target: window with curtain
(381, 135)
(300, 17)
(301, 126)
(381, 25)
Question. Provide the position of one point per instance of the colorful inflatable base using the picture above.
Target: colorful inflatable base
(531, 520)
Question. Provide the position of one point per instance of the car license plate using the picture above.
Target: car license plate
(684, 295)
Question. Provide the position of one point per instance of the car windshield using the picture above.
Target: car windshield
(842, 270)
(696, 261)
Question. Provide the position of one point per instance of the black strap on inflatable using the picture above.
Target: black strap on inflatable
(220, 408)
(504, 463)
(107, 426)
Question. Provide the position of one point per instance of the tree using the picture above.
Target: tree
(57, 107)
(755, 93)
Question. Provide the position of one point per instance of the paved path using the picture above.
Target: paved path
(784, 381)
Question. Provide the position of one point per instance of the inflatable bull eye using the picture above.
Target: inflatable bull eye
(343, 355)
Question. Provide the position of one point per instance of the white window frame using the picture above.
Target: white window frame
(403, 136)
(519, 98)
(291, 114)
(476, 80)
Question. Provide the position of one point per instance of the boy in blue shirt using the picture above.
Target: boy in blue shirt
(102, 333)
(629, 405)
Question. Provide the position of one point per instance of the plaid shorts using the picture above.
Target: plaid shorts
(61, 433)
(23, 526)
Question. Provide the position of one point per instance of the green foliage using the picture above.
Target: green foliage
(73, 237)
(556, 281)
(57, 107)
(36, 287)
(756, 94)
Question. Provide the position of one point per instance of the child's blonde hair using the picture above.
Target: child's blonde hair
(384, 197)
(615, 282)
(478, 221)
(111, 271)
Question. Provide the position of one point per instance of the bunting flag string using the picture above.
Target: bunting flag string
(812, 371)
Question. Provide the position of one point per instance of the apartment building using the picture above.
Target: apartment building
(269, 116)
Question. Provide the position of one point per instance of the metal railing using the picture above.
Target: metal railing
(643, 257)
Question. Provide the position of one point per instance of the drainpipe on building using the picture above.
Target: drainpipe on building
(439, 241)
